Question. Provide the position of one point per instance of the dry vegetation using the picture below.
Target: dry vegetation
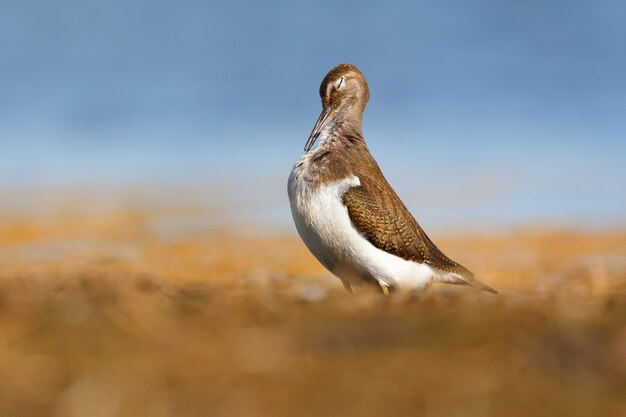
(119, 313)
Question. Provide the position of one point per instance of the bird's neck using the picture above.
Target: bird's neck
(345, 127)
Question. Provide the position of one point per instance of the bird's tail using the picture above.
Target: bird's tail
(463, 276)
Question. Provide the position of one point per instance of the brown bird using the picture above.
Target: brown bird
(346, 212)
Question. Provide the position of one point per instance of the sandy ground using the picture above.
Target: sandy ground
(128, 313)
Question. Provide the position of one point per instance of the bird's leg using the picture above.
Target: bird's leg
(385, 289)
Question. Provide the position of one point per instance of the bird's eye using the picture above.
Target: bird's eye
(339, 83)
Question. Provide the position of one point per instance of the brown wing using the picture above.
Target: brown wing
(380, 216)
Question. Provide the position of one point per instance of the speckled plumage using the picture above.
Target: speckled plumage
(338, 188)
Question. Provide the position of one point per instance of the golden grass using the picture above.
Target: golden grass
(122, 314)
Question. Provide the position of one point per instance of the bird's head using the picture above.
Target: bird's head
(344, 93)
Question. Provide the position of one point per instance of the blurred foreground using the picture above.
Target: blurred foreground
(136, 313)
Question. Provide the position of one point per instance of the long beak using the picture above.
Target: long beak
(319, 125)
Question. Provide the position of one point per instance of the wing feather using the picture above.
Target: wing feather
(380, 216)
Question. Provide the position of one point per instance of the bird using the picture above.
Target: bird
(346, 212)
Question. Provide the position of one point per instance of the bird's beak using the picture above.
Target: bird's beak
(319, 125)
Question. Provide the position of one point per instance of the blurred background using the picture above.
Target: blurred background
(148, 262)
(488, 114)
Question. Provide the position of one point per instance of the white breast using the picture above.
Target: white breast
(323, 223)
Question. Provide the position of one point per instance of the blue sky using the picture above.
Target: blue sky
(520, 107)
